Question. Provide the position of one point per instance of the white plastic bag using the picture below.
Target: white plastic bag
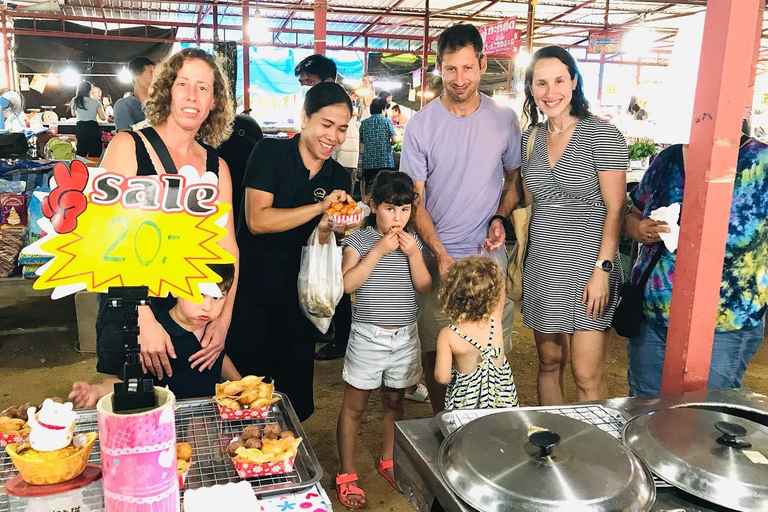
(498, 255)
(321, 283)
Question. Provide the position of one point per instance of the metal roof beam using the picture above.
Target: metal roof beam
(474, 14)
(376, 21)
(569, 11)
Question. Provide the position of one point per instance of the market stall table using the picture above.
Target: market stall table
(418, 444)
(199, 424)
(68, 127)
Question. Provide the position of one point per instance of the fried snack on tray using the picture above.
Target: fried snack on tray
(14, 426)
(272, 450)
(248, 393)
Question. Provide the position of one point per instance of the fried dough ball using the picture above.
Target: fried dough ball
(287, 434)
(233, 446)
(253, 442)
(183, 451)
(21, 413)
(10, 412)
(251, 431)
(271, 431)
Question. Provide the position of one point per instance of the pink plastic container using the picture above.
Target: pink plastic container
(138, 457)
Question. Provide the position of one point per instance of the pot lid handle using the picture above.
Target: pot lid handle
(731, 433)
(544, 440)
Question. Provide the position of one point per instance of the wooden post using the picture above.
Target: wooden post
(726, 63)
(425, 55)
(246, 57)
(321, 12)
(215, 24)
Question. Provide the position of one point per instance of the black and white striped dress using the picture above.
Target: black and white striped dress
(488, 387)
(566, 227)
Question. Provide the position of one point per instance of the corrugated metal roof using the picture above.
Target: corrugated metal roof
(564, 22)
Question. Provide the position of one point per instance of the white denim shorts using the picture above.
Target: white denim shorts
(377, 356)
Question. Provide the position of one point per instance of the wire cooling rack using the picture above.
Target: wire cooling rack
(199, 424)
(607, 420)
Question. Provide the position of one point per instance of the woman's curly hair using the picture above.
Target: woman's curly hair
(471, 289)
(217, 127)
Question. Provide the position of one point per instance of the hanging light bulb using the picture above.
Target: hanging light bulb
(125, 76)
(638, 41)
(258, 29)
(523, 59)
(70, 77)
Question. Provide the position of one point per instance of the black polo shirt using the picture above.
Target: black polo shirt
(269, 263)
(187, 382)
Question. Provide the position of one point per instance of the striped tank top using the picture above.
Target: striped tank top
(488, 387)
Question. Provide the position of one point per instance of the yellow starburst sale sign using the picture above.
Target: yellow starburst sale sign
(112, 230)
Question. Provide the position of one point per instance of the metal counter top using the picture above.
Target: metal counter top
(417, 444)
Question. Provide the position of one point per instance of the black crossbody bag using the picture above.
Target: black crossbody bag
(629, 311)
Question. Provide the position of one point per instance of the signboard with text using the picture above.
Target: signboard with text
(501, 37)
(106, 229)
(604, 42)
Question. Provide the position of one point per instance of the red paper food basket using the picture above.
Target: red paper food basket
(355, 218)
(182, 479)
(6, 439)
(243, 414)
(249, 470)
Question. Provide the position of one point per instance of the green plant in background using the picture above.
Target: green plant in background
(641, 149)
(397, 146)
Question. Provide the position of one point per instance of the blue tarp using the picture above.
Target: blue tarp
(271, 69)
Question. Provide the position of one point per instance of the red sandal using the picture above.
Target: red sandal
(384, 465)
(344, 489)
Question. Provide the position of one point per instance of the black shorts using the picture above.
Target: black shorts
(88, 135)
(110, 347)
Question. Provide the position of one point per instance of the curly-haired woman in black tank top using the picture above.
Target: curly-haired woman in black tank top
(191, 110)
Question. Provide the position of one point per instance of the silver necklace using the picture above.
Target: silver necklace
(550, 130)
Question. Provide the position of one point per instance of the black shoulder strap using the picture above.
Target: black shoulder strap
(651, 265)
(144, 165)
(211, 160)
(162, 151)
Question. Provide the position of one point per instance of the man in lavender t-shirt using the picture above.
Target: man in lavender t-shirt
(463, 153)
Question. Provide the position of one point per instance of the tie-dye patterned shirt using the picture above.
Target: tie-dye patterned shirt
(744, 289)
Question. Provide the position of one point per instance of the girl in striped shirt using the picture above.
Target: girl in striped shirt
(470, 351)
(383, 265)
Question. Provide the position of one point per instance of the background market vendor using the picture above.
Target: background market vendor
(289, 186)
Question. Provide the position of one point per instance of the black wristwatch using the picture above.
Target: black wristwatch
(504, 222)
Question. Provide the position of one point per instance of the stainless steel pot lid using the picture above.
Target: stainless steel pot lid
(716, 456)
(501, 463)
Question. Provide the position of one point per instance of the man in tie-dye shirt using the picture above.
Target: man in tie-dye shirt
(744, 290)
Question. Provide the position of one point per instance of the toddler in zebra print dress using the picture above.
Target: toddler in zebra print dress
(470, 357)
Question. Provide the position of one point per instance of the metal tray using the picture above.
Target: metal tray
(199, 424)
(604, 418)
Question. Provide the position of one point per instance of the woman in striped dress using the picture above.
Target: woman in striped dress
(575, 178)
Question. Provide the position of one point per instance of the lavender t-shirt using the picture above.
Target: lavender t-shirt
(462, 162)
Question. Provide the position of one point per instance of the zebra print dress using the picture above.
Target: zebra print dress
(566, 227)
(488, 387)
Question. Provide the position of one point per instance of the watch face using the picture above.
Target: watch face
(607, 265)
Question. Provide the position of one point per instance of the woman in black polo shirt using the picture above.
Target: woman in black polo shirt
(289, 186)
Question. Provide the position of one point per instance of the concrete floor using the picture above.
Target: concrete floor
(38, 359)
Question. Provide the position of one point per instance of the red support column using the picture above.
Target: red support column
(601, 73)
(726, 62)
(215, 24)
(425, 55)
(6, 54)
(529, 27)
(321, 12)
(246, 57)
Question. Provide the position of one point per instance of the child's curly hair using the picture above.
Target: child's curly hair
(217, 127)
(471, 289)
